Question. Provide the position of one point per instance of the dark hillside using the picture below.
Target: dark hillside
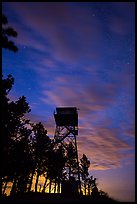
(55, 199)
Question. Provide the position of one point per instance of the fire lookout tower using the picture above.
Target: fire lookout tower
(66, 131)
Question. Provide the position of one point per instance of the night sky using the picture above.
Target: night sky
(81, 55)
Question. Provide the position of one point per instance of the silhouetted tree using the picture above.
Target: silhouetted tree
(21, 158)
(13, 121)
(85, 164)
(25, 162)
(6, 33)
(56, 164)
(71, 162)
(41, 148)
(60, 165)
(89, 184)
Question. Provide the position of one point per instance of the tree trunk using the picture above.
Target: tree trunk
(22, 184)
(5, 186)
(55, 186)
(58, 189)
(50, 182)
(13, 189)
(88, 189)
(31, 180)
(43, 190)
(85, 187)
(39, 187)
(36, 184)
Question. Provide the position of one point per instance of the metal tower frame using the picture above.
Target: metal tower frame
(66, 131)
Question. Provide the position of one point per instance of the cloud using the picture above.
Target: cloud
(73, 91)
(100, 100)
(67, 32)
(70, 33)
(103, 146)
